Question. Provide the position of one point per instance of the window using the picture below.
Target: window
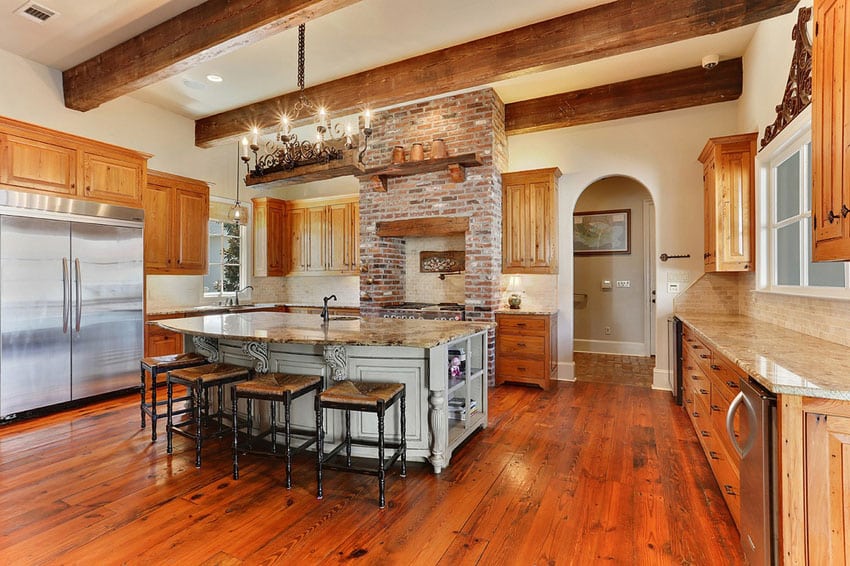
(787, 186)
(226, 249)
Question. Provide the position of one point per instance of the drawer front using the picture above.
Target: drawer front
(513, 367)
(725, 377)
(718, 421)
(521, 346)
(692, 373)
(726, 474)
(518, 324)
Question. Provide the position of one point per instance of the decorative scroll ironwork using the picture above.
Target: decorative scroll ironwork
(336, 357)
(260, 352)
(291, 153)
(207, 347)
(798, 89)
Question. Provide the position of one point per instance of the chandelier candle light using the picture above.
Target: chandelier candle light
(285, 152)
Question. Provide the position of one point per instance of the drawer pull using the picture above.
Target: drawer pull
(695, 377)
(703, 391)
(715, 367)
(732, 385)
(705, 356)
(714, 455)
(695, 346)
(705, 433)
(521, 324)
(521, 345)
(716, 408)
(695, 414)
(729, 489)
(520, 369)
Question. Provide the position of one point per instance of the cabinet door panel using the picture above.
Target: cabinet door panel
(316, 255)
(298, 235)
(513, 249)
(113, 179)
(830, 236)
(32, 164)
(192, 229)
(338, 228)
(156, 200)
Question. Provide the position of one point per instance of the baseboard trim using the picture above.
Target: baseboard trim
(609, 347)
(566, 371)
(661, 379)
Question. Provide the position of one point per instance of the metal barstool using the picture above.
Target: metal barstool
(275, 388)
(364, 396)
(156, 365)
(198, 380)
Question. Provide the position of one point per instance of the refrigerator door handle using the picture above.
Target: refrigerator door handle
(66, 295)
(79, 293)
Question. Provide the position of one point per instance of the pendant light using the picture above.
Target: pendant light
(238, 214)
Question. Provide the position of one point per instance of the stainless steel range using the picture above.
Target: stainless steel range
(426, 311)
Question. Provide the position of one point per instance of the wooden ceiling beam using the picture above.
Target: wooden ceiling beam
(595, 33)
(197, 35)
(670, 91)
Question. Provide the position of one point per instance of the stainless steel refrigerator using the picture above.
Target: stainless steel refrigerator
(71, 300)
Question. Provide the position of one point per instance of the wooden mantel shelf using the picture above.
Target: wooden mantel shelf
(348, 165)
(456, 165)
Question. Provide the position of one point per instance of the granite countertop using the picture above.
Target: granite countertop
(308, 329)
(539, 311)
(218, 309)
(783, 361)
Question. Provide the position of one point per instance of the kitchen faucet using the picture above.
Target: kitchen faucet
(236, 294)
(325, 316)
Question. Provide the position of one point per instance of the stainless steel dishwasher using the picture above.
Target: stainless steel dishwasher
(759, 480)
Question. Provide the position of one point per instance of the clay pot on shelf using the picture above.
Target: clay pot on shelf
(438, 149)
(398, 154)
(417, 152)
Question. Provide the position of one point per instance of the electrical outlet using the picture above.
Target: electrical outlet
(624, 283)
(672, 287)
(607, 331)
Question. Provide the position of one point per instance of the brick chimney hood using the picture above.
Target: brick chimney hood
(430, 226)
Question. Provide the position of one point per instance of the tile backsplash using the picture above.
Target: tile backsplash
(734, 293)
(428, 287)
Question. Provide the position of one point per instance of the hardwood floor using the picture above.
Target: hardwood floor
(587, 473)
(614, 369)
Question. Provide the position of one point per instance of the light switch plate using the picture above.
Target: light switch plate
(624, 283)
(606, 284)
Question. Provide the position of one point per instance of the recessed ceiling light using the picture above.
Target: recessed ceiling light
(214, 78)
(194, 85)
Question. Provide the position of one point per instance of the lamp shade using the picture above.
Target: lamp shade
(514, 284)
(237, 214)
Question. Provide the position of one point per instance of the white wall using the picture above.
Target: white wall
(660, 152)
(33, 93)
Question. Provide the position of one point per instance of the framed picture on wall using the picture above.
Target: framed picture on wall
(602, 232)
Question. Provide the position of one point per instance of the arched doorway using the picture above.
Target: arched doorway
(614, 282)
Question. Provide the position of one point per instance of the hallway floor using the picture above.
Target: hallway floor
(614, 369)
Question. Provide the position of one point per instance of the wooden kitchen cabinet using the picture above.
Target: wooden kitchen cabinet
(729, 198)
(37, 159)
(325, 236)
(710, 383)
(113, 178)
(526, 349)
(159, 341)
(271, 257)
(830, 132)
(176, 224)
(815, 491)
(529, 221)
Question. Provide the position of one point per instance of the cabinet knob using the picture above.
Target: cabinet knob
(731, 384)
(832, 217)
(844, 210)
(715, 367)
(714, 455)
(729, 489)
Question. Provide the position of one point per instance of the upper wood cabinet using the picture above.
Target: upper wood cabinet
(177, 211)
(529, 221)
(729, 192)
(271, 257)
(46, 161)
(830, 133)
(324, 236)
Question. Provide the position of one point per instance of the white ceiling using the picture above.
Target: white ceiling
(367, 34)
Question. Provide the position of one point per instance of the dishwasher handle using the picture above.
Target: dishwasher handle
(730, 424)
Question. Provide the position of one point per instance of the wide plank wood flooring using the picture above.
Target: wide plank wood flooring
(587, 473)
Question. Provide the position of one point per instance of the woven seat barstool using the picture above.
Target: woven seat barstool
(369, 397)
(275, 388)
(156, 365)
(198, 380)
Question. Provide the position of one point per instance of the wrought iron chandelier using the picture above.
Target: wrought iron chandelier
(285, 151)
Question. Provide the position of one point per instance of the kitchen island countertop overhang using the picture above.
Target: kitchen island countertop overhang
(446, 402)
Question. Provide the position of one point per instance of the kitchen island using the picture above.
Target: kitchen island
(442, 363)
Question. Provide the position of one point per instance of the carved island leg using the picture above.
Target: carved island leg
(439, 429)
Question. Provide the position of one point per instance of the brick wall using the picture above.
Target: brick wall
(470, 122)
